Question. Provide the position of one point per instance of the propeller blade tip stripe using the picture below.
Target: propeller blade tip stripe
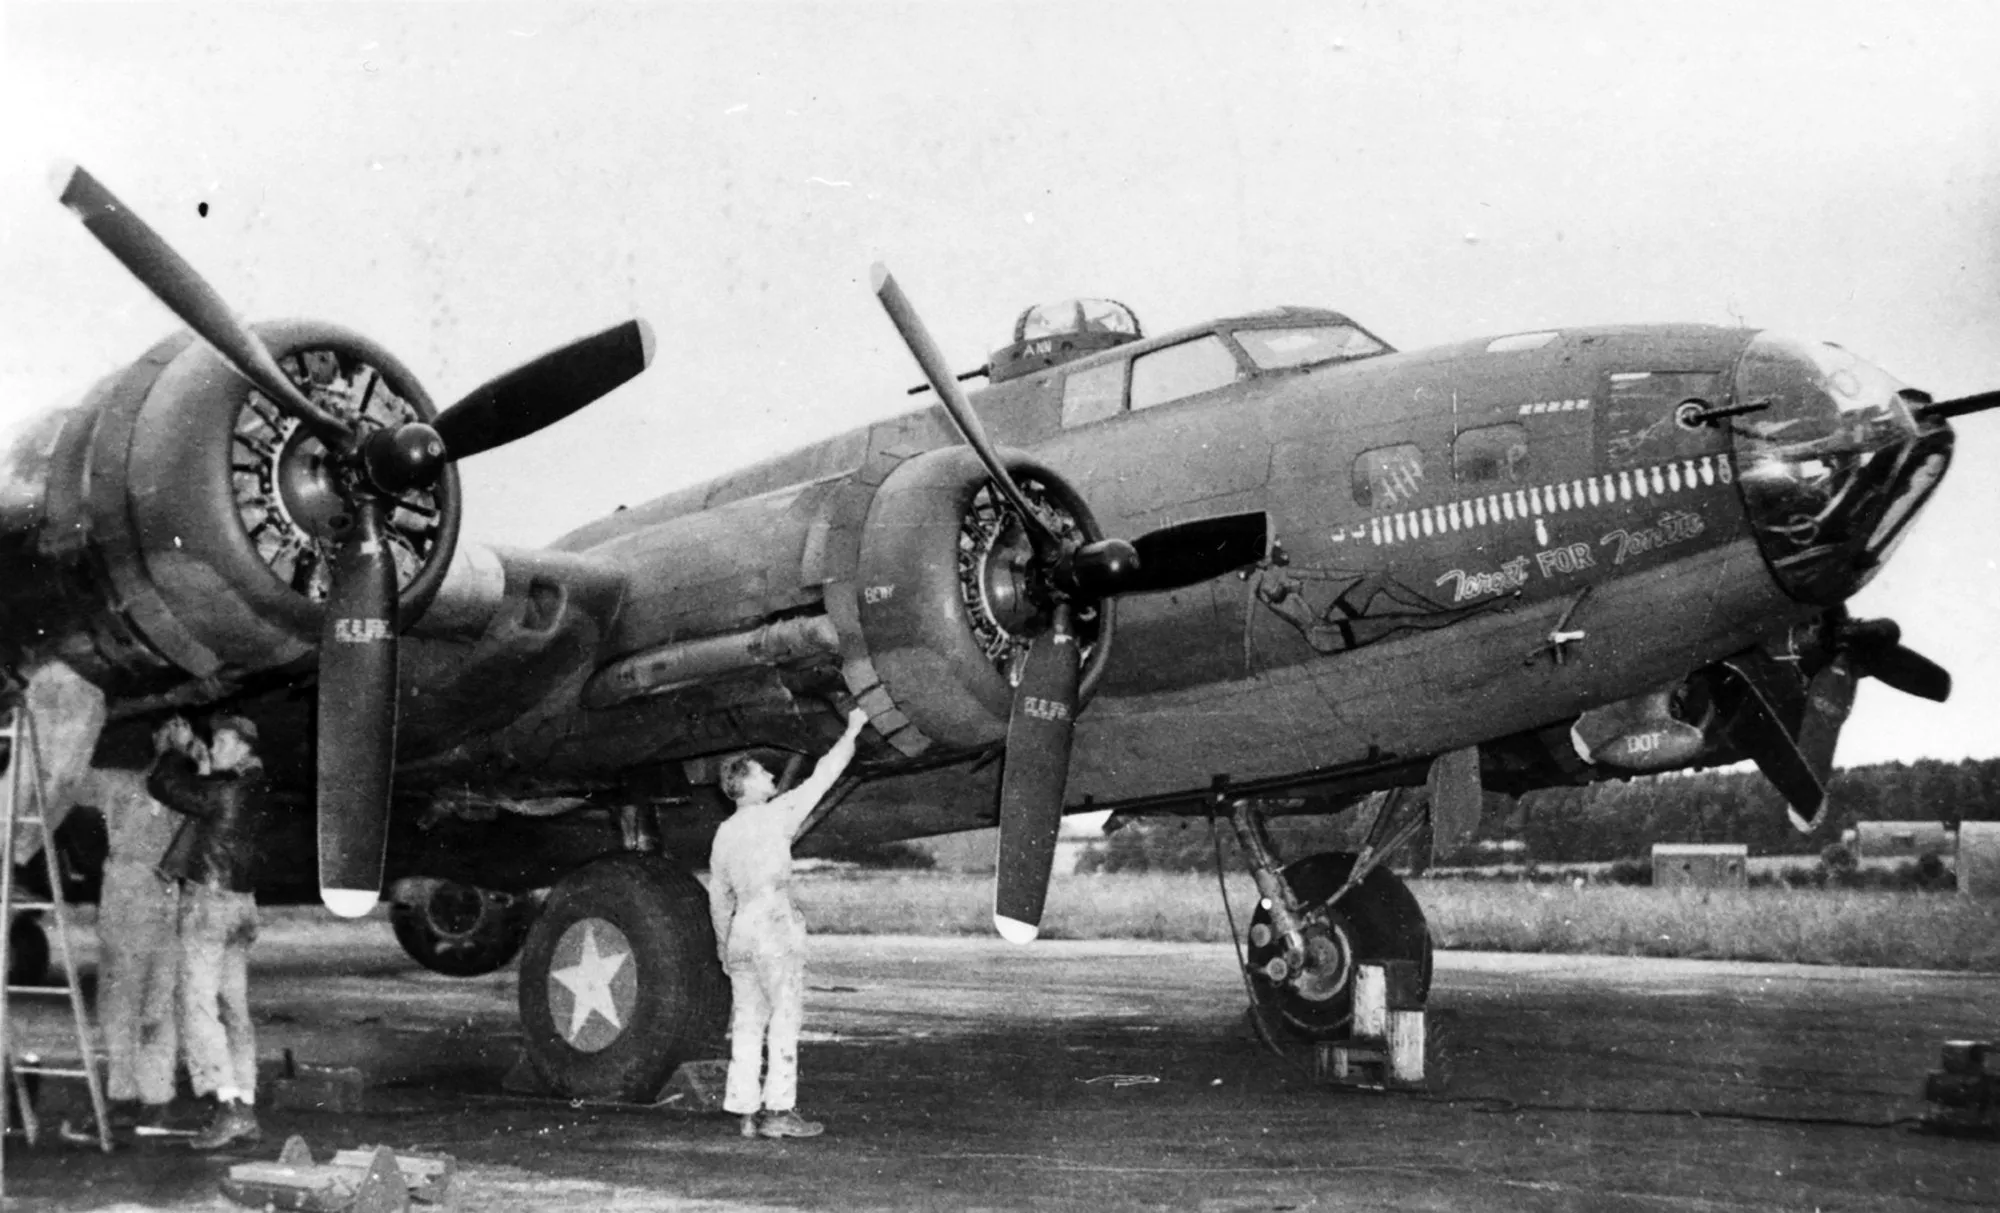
(350, 903)
(647, 342)
(63, 174)
(878, 274)
(1015, 931)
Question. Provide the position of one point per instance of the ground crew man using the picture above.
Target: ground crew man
(138, 934)
(761, 936)
(214, 855)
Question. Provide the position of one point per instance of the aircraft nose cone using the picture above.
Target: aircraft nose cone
(1833, 467)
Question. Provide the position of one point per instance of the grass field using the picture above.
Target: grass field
(1808, 926)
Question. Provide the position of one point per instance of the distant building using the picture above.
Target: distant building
(1701, 865)
(1979, 858)
(1902, 839)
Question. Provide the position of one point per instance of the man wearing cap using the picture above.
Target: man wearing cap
(214, 855)
(762, 937)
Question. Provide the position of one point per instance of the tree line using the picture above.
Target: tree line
(1619, 819)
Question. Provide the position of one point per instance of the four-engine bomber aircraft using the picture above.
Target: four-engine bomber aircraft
(1266, 563)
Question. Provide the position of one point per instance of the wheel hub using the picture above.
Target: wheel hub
(1329, 962)
(454, 910)
(593, 984)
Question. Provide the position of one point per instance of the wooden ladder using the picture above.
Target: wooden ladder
(25, 807)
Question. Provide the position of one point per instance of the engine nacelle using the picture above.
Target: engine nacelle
(175, 518)
(939, 604)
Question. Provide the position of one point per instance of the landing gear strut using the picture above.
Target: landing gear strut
(1319, 918)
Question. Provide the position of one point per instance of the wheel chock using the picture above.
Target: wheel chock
(1964, 1097)
(376, 1180)
(696, 1086)
(1387, 1044)
(522, 1078)
(305, 1087)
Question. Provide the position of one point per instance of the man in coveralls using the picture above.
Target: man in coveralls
(138, 931)
(761, 936)
(213, 856)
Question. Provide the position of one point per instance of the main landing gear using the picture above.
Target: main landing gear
(457, 929)
(620, 982)
(1322, 916)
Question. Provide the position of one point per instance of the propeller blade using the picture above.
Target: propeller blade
(540, 393)
(945, 384)
(1759, 732)
(1189, 553)
(1829, 699)
(1184, 554)
(1035, 778)
(187, 295)
(357, 716)
(1908, 671)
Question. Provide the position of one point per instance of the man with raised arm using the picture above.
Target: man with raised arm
(761, 936)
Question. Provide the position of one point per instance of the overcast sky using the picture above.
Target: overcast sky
(470, 184)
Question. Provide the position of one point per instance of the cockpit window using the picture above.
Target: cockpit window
(1490, 453)
(1305, 345)
(1180, 371)
(1093, 394)
(1388, 476)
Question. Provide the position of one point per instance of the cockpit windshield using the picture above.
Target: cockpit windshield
(1305, 345)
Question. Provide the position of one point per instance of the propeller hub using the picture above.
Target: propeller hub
(1870, 633)
(1098, 569)
(411, 456)
(310, 485)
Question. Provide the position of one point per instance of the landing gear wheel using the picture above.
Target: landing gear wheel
(27, 951)
(1378, 920)
(459, 930)
(620, 982)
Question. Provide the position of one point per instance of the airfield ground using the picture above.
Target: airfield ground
(965, 1074)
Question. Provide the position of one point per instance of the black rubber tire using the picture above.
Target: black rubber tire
(1380, 917)
(27, 951)
(462, 931)
(679, 1002)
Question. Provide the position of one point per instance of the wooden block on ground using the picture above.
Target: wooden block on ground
(696, 1086)
(310, 1088)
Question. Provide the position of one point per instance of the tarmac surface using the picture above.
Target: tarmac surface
(967, 1074)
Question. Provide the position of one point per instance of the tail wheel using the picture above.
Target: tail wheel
(459, 930)
(1378, 920)
(620, 981)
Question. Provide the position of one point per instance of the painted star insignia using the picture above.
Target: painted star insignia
(589, 984)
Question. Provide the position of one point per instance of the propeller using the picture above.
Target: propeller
(1798, 757)
(1875, 647)
(373, 468)
(1064, 572)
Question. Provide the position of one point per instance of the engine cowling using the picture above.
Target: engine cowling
(935, 614)
(181, 517)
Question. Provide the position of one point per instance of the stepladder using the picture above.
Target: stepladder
(25, 825)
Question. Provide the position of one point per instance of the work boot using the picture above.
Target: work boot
(235, 1121)
(174, 1121)
(125, 1114)
(748, 1125)
(789, 1123)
